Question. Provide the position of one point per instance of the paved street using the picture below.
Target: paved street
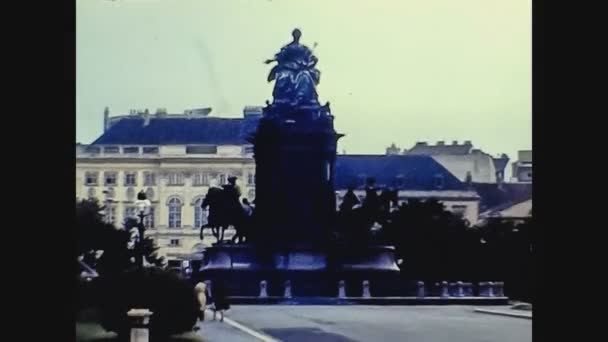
(216, 331)
(374, 323)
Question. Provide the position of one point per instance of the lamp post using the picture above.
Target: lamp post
(142, 204)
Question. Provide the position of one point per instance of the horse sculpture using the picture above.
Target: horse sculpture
(224, 211)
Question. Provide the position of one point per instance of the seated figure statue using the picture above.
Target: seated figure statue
(295, 74)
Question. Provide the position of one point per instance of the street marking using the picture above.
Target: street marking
(502, 313)
(260, 336)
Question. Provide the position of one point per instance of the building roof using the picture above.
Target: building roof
(422, 148)
(479, 165)
(177, 131)
(410, 172)
(501, 196)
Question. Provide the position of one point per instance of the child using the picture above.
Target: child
(201, 293)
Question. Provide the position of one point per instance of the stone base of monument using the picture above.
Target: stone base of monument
(339, 276)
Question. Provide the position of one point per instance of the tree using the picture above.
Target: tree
(105, 246)
(434, 243)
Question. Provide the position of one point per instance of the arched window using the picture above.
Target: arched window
(130, 194)
(150, 194)
(175, 213)
(200, 214)
(110, 194)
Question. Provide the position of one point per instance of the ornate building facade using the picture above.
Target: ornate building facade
(175, 157)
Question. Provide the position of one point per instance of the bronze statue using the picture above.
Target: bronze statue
(295, 74)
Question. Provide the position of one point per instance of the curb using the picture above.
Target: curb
(243, 300)
(259, 335)
(502, 313)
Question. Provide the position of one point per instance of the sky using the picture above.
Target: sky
(394, 71)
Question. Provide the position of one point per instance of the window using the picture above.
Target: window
(130, 212)
(93, 149)
(109, 178)
(200, 178)
(251, 179)
(130, 194)
(210, 149)
(91, 178)
(150, 194)
(149, 219)
(248, 149)
(149, 179)
(110, 193)
(110, 214)
(222, 179)
(459, 210)
(111, 149)
(251, 195)
(92, 193)
(530, 174)
(176, 178)
(131, 179)
(174, 242)
(175, 213)
(150, 150)
(439, 181)
(200, 214)
(130, 150)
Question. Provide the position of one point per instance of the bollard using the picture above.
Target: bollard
(263, 292)
(498, 289)
(485, 289)
(459, 289)
(444, 289)
(366, 293)
(139, 319)
(453, 289)
(341, 289)
(287, 287)
(420, 293)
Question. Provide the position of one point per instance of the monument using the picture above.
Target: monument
(290, 239)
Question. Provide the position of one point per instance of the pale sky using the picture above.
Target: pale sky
(393, 70)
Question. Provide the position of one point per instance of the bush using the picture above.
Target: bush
(171, 299)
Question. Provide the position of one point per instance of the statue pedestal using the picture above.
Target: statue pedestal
(312, 272)
(295, 151)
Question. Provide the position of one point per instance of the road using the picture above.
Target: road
(363, 323)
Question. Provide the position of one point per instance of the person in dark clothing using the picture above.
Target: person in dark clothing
(372, 201)
(220, 299)
(350, 200)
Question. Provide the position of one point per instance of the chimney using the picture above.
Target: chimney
(475, 151)
(146, 116)
(421, 143)
(441, 143)
(106, 119)
(252, 112)
(393, 149)
(468, 178)
(455, 142)
(468, 142)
